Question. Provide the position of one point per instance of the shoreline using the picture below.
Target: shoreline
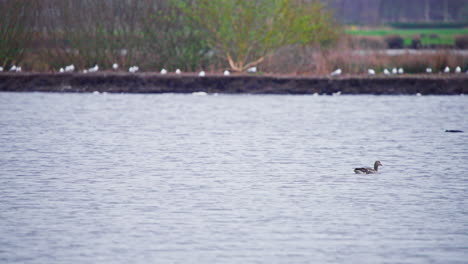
(110, 82)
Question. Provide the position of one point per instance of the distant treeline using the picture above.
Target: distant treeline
(377, 12)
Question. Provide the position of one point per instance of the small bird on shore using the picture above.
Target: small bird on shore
(386, 72)
(94, 69)
(370, 72)
(61, 70)
(178, 71)
(226, 73)
(401, 71)
(447, 69)
(336, 72)
(202, 74)
(394, 71)
(458, 69)
(428, 70)
(163, 71)
(337, 93)
(1, 69)
(13, 68)
(115, 66)
(368, 170)
(252, 69)
(133, 69)
(69, 68)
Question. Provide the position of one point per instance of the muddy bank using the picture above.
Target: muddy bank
(156, 83)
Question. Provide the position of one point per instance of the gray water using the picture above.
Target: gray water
(102, 178)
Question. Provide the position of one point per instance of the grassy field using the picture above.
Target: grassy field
(429, 36)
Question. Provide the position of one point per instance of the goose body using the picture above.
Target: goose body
(369, 170)
(202, 74)
(163, 71)
(226, 73)
(370, 72)
(178, 71)
(386, 72)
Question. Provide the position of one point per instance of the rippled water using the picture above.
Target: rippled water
(88, 178)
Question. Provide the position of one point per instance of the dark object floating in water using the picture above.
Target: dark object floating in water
(369, 170)
(453, 131)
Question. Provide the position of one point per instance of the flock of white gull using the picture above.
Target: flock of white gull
(399, 71)
(134, 69)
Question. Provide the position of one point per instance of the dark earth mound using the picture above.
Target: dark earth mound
(436, 84)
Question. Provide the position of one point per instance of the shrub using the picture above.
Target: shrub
(461, 41)
(394, 41)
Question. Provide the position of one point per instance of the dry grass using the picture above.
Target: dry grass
(354, 59)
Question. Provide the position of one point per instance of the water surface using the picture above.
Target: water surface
(104, 178)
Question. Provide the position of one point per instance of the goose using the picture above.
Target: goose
(386, 72)
(252, 69)
(202, 74)
(336, 72)
(428, 70)
(401, 71)
(369, 170)
(178, 71)
(115, 66)
(447, 69)
(370, 72)
(458, 69)
(1, 68)
(226, 73)
(163, 71)
(394, 71)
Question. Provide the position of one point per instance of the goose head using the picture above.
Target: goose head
(377, 164)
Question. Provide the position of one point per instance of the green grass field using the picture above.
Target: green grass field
(444, 36)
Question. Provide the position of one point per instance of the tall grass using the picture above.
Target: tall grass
(347, 56)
